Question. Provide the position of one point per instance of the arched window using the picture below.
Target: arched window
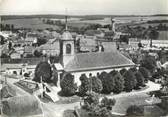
(68, 48)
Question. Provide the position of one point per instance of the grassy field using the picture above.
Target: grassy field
(34, 23)
(21, 106)
(37, 23)
(123, 103)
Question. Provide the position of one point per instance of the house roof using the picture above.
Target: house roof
(29, 49)
(48, 46)
(99, 60)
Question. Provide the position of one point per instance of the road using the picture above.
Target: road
(151, 87)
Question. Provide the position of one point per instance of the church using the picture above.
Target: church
(88, 63)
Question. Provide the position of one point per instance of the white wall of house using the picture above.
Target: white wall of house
(11, 71)
(18, 71)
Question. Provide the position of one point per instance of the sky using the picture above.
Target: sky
(84, 7)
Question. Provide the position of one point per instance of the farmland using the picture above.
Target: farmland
(35, 22)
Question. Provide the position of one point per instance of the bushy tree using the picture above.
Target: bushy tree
(153, 34)
(119, 83)
(10, 45)
(37, 53)
(94, 108)
(4, 55)
(41, 41)
(134, 110)
(134, 70)
(85, 85)
(54, 75)
(2, 40)
(149, 63)
(107, 81)
(123, 71)
(43, 70)
(96, 84)
(68, 87)
(108, 103)
(140, 79)
(130, 81)
(145, 73)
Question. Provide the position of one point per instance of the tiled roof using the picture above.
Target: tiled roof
(101, 60)
(48, 46)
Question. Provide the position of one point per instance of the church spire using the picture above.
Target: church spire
(66, 20)
(66, 27)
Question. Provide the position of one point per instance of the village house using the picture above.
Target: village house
(18, 69)
(50, 49)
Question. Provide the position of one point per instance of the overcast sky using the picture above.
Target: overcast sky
(84, 7)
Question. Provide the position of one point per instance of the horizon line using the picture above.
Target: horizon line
(85, 14)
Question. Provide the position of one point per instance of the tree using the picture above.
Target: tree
(54, 77)
(149, 63)
(123, 71)
(107, 82)
(153, 34)
(165, 83)
(68, 87)
(133, 69)
(41, 41)
(130, 81)
(140, 79)
(134, 110)
(37, 53)
(145, 73)
(94, 108)
(96, 84)
(43, 70)
(124, 38)
(119, 83)
(2, 40)
(85, 85)
(10, 45)
(108, 103)
(4, 55)
(140, 45)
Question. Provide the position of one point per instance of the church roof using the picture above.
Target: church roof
(66, 36)
(98, 60)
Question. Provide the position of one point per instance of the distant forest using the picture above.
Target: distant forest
(86, 17)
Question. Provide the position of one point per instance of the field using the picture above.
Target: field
(123, 103)
(34, 23)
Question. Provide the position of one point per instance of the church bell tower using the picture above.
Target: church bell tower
(67, 46)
